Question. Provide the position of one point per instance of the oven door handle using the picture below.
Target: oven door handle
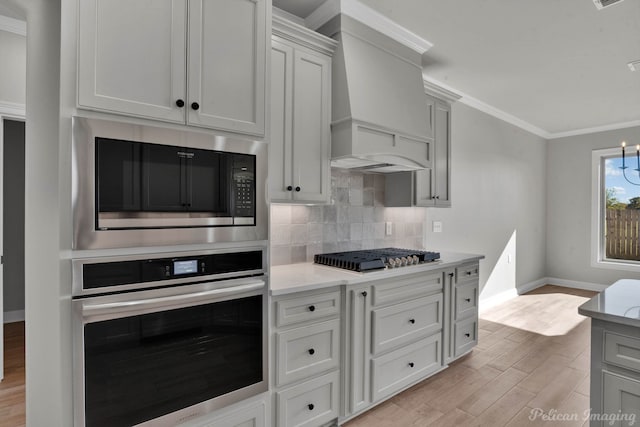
(146, 305)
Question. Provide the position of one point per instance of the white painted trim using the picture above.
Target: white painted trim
(12, 25)
(439, 92)
(488, 303)
(488, 109)
(528, 287)
(588, 286)
(370, 18)
(12, 109)
(596, 129)
(286, 15)
(13, 316)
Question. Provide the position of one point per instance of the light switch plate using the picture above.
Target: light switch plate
(388, 229)
(437, 226)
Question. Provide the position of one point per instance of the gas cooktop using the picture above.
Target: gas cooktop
(375, 259)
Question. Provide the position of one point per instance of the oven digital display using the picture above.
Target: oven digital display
(185, 267)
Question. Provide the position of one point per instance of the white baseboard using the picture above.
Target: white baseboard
(492, 301)
(597, 287)
(13, 316)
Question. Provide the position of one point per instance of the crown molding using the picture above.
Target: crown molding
(596, 129)
(11, 25)
(286, 15)
(370, 18)
(299, 34)
(438, 91)
(12, 109)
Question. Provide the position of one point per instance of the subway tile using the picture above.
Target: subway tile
(379, 228)
(378, 198)
(343, 232)
(329, 214)
(368, 181)
(379, 182)
(298, 254)
(299, 235)
(281, 234)
(341, 195)
(356, 231)
(314, 233)
(329, 233)
(342, 214)
(281, 214)
(340, 179)
(329, 247)
(367, 197)
(356, 182)
(355, 214)
(299, 214)
(313, 249)
(280, 255)
(355, 196)
(368, 231)
(315, 213)
(368, 244)
(378, 214)
(368, 214)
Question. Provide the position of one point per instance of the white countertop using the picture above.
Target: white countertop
(290, 278)
(619, 303)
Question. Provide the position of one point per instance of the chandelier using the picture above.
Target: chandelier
(624, 167)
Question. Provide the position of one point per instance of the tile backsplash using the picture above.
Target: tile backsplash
(355, 219)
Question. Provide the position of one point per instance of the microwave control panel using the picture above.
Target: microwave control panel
(244, 186)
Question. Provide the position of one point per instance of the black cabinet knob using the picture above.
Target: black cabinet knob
(310, 406)
(412, 321)
(467, 299)
(451, 274)
(289, 188)
(468, 273)
(312, 351)
(312, 308)
(411, 364)
(438, 197)
(195, 106)
(298, 189)
(180, 103)
(467, 335)
(364, 294)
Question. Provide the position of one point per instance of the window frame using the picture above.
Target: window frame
(598, 254)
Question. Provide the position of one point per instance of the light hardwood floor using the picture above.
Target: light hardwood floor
(533, 352)
(12, 397)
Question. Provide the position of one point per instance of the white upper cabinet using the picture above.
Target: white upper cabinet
(300, 131)
(199, 62)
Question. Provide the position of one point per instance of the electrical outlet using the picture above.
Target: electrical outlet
(388, 228)
(437, 226)
(509, 259)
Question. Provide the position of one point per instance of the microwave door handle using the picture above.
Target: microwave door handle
(114, 310)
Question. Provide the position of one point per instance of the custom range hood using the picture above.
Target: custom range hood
(380, 116)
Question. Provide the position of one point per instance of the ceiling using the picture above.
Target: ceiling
(554, 67)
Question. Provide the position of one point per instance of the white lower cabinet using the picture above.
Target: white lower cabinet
(252, 414)
(306, 343)
(311, 403)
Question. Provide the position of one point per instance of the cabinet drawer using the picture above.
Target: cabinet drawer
(467, 271)
(395, 290)
(249, 416)
(398, 369)
(622, 351)
(466, 299)
(311, 403)
(307, 350)
(465, 336)
(306, 308)
(403, 323)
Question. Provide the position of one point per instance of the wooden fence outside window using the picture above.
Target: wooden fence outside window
(622, 236)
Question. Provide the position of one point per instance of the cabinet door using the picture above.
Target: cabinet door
(447, 322)
(620, 396)
(131, 57)
(227, 57)
(280, 150)
(163, 180)
(442, 155)
(311, 130)
(358, 343)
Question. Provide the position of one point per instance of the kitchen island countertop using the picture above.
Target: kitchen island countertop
(619, 303)
(291, 278)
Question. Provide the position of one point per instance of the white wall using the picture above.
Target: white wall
(498, 200)
(13, 51)
(569, 206)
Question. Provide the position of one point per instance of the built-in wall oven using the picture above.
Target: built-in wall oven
(136, 185)
(164, 338)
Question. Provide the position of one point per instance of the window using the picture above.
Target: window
(616, 210)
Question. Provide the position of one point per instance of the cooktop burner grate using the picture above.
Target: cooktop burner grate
(375, 259)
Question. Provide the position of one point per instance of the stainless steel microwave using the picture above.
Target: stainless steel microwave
(136, 185)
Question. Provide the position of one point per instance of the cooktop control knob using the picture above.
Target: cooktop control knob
(416, 260)
(391, 263)
(398, 262)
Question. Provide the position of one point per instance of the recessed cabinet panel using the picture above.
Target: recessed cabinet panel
(465, 299)
(307, 308)
(131, 57)
(280, 145)
(310, 404)
(620, 396)
(442, 157)
(226, 79)
(406, 288)
(310, 133)
(400, 324)
(307, 350)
